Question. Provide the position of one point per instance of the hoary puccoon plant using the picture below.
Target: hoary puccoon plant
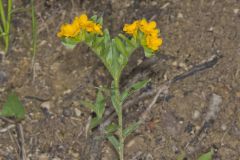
(114, 54)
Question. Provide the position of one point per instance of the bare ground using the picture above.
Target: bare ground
(198, 113)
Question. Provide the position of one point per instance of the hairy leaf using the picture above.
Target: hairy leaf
(114, 142)
(111, 128)
(94, 18)
(89, 105)
(69, 42)
(100, 104)
(127, 131)
(133, 88)
(13, 108)
(100, 20)
(116, 104)
(120, 46)
(206, 156)
(148, 52)
(95, 122)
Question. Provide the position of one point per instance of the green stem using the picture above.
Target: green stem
(120, 119)
(2, 14)
(8, 25)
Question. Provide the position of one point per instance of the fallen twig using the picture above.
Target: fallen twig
(21, 141)
(7, 128)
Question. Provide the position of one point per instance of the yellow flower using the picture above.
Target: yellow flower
(69, 30)
(82, 20)
(93, 28)
(79, 23)
(98, 29)
(153, 42)
(131, 28)
(148, 28)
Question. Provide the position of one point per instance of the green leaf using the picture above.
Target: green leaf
(114, 142)
(206, 156)
(131, 42)
(148, 52)
(122, 60)
(106, 38)
(120, 46)
(95, 122)
(69, 42)
(100, 104)
(116, 104)
(109, 57)
(139, 85)
(125, 94)
(97, 45)
(127, 131)
(111, 128)
(89, 105)
(13, 108)
(134, 88)
(94, 18)
(89, 37)
(100, 20)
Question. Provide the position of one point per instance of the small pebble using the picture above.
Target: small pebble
(238, 94)
(67, 91)
(197, 128)
(139, 61)
(235, 11)
(67, 112)
(210, 29)
(77, 112)
(179, 15)
(183, 65)
(154, 3)
(196, 115)
(149, 157)
(224, 127)
(43, 157)
(3, 77)
(46, 105)
(175, 64)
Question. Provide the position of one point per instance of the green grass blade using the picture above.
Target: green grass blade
(1, 30)
(8, 25)
(2, 14)
(34, 29)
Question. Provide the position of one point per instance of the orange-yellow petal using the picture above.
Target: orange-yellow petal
(69, 30)
(131, 28)
(153, 42)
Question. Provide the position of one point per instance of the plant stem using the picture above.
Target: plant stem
(120, 120)
(9, 12)
(6, 21)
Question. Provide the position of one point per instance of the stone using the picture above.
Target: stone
(196, 115)
(46, 105)
(43, 157)
(3, 77)
(77, 112)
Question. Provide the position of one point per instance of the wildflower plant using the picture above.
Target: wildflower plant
(114, 54)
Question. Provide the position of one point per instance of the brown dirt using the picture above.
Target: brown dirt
(192, 31)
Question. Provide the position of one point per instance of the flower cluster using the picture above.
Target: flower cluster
(80, 23)
(149, 29)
